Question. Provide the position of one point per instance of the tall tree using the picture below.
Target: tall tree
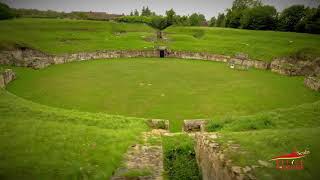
(146, 11)
(212, 22)
(171, 16)
(136, 12)
(221, 20)
(5, 12)
(235, 13)
(260, 17)
(290, 17)
(197, 19)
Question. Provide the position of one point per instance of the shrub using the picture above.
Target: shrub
(259, 18)
(179, 158)
(5, 12)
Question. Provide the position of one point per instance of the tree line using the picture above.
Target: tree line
(252, 14)
(244, 14)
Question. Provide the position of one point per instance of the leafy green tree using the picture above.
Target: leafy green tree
(290, 17)
(244, 4)
(234, 14)
(221, 20)
(171, 16)
(159, 23)
(136, 12)
(182, 20)
(212, 22)
(5, 12)
(146, 11)
(197, 19)
(313, 22)
(260, 18)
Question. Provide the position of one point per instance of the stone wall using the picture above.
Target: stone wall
(312, 82)
(38, 60)
(212, 161)
(219, 58)
(291, 67)
(6, 77)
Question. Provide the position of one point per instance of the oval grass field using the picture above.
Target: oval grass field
(160, 88)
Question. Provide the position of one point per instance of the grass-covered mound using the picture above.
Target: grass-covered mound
(40, 142)
(262, 45)
(270, 134)
(153, 88)
(56, 36)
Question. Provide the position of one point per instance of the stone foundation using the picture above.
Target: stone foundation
(212, 162)
(38, 60)
(312, 82)
(291, 67)
(220, 58)
(6, 77)
(158, 124)
(194, 125)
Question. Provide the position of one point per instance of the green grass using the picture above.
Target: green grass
(40, 142)
(179, 158)
(261, 45)
(302, 116)
(56, 36)
(266, 144)
(270, 134)
(155, 88)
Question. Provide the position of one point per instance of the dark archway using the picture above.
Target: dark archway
(162, 53)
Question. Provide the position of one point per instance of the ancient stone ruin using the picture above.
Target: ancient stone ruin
(6, 77)
(313, 82)
(194, 125)
(158, 124)
(213, 162)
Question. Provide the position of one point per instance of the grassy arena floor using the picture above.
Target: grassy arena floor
(156, 88)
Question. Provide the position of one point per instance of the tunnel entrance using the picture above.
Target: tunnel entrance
(162, 54)
(162, 51)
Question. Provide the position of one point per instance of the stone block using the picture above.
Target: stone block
(158, 124)
(194, 125)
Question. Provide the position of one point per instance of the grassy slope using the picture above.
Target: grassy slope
(262, 45)
(39, 142)
(63, 36)
(58, 36)
(267, 135)
(179, 89)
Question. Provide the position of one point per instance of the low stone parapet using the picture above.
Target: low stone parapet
(6, 77)
(291, 67)
(158, 124)
(312, 82)
(194, 125)
(213, 163)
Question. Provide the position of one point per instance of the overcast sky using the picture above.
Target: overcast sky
(183, 7)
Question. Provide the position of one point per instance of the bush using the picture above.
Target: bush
(5, 12)
(259, 18)
(290, 17)
(179, 158)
